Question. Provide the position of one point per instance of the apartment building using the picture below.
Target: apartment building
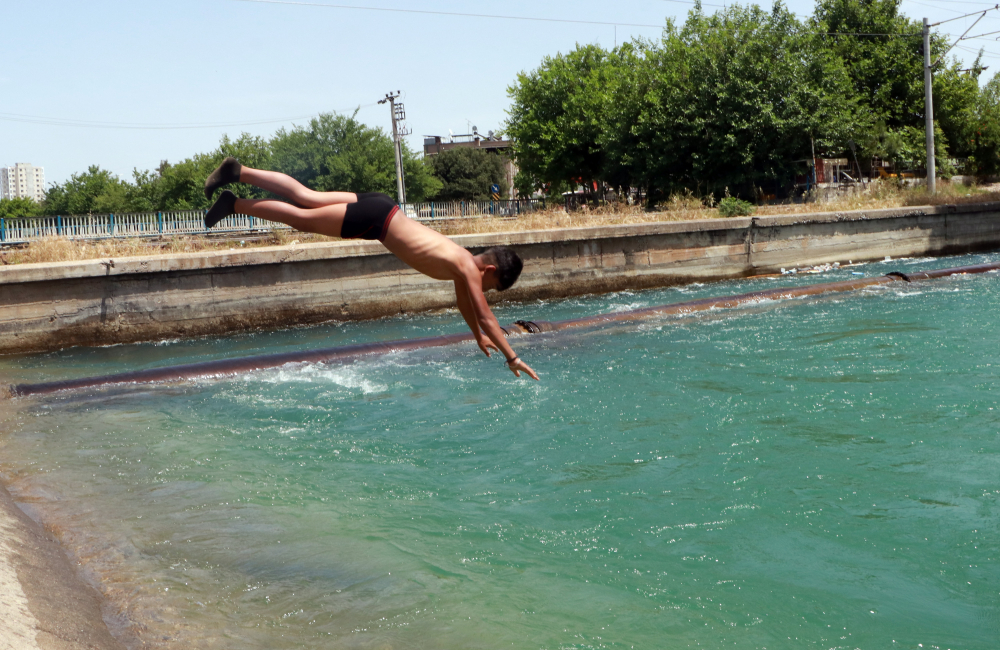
(23, 180)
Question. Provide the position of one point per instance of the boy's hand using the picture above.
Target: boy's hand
(485, 344)
(516, 366)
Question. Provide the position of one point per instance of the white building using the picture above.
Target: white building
(23, 180)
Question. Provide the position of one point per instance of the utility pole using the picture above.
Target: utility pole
(929, 79)
(929, 109)
(399, 130)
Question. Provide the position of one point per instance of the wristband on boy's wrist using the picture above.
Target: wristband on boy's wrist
(512, 359)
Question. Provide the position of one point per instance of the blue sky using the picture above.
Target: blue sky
(238, 63)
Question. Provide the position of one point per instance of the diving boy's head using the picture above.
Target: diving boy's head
(502, 267)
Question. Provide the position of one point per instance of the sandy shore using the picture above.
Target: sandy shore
(44, 604)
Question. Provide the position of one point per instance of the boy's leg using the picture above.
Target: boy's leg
(231, 171)
(289, 188)
(327, 220)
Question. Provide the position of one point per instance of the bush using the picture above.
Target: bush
(734, 207)
(466, 174)
(17, 208)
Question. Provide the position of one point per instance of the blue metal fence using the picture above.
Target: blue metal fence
(142, 224)
(466, 209)
(191, 222)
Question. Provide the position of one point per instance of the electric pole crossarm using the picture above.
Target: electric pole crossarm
(974, 13)
(959, 39)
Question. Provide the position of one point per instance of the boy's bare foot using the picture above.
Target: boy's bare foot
(222, 208)
(226, 173)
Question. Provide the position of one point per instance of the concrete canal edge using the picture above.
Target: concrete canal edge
(44, 605)
(51, 306)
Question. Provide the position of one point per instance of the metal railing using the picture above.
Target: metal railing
(191, 222)
(140, 224)
(465, 209)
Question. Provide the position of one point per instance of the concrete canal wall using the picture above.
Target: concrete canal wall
(50, 306)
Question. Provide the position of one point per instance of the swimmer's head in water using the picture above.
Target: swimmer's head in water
(507, 263)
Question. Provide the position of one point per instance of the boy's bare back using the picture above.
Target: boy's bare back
(425, 250)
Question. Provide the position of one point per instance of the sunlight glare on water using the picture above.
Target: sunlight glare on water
(813, 473)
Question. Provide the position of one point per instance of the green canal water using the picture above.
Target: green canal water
(816, 473)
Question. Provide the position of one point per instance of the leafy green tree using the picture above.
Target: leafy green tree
(421, 183)
(985, 136)
(728, 100)
(17, 208)
(94, 191)
(906, 148)
(338, 153)
(467, 174)
(882, 51)
(180, 186)
(556, 118)
(634, 106)
(956, 105)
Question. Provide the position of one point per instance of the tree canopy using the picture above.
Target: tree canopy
(16, 208)
(739, 99)
(467, 174)
(334, 152)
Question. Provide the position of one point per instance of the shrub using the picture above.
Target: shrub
(734, 207)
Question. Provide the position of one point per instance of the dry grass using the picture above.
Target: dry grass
(60, 249)
(678, 208)
(685, 207)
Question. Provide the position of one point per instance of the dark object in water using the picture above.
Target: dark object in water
(229, 367)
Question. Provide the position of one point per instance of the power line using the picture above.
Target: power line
(691, 2)
(533, 18)
(452, 13)
(924, 4)
(972, 50)
(58, 121)
(301, 3)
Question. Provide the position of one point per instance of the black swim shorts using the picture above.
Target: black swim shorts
(368, 218)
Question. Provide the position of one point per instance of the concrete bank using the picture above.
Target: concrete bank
(43, 604)
(50, 306)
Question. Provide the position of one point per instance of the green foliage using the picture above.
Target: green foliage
(741, 98)
(336, 153)
(94, 191)
(421, 183)
(957, 106)
(886, 72)
(985, 136)
(17, 208)
(731, 206)
(556, 118)
(736, 99)
(906, 148)
(180, 186)
(466, 174)
(731, 99)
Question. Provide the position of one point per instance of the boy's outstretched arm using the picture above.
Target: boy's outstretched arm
(468, 284)
(465, 307)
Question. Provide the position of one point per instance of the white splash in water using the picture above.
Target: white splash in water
(350, 377)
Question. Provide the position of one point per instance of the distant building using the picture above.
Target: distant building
(435, 144)
(22, 181)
